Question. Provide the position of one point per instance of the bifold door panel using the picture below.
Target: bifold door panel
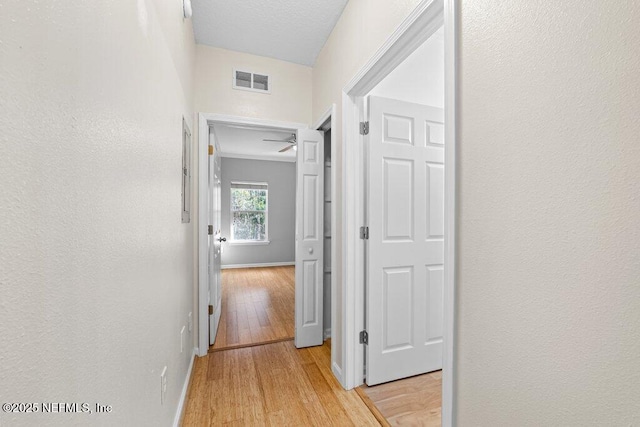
(309, 238)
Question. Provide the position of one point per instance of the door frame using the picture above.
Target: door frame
(425, 19)
(205, 121)
(331, 113)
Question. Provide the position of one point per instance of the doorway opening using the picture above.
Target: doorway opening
(264, 183)
(257, 213)
(398, 185)
(210, 232)
(404, 202)
(331, 322)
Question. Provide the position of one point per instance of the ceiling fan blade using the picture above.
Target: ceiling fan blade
(287, 148)
(291, 140)
(277, 140)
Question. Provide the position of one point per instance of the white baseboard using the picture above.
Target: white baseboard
(337, 372)
(183, 396)
(264, 264)
(327, 334)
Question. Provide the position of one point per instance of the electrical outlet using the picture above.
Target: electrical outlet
(182, 339)
(163, 385)
(190, 322)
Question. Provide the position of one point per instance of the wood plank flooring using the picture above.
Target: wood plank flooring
(412, 401)
(271, 385)
(243, 383)
(257, 306)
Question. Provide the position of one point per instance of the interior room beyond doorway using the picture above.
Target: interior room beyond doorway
(257, 307)
(257, 216)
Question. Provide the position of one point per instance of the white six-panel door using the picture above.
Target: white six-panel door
(309, 238)
(405, 208)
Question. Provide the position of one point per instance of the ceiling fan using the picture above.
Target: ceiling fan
(291, 141)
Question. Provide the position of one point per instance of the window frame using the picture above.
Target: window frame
(233, 241)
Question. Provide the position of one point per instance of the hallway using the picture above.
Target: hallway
(273, 384)
(257, 307)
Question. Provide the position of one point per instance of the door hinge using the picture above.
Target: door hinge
(210, 310)
(211, 150)
(364, 337)
(210, 230)
(364, 233)
(364, 128)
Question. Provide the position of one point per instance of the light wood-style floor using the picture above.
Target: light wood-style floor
(272, 384)
(257, 306)
(241, 382)
(414, 401)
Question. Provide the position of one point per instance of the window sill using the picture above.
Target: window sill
(248, 242)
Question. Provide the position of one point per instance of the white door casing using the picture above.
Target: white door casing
(405, 209)
(206, 137)
(309, 238)
(214, 275)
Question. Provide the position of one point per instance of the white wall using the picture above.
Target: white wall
(289, 100)
(281, 178)
(96, 268)
(420, 77)
(361, 30)
(549, 213)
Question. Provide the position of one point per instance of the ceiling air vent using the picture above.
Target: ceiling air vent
(256, 82)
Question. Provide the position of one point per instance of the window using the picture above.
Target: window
(186, 172)
(249, 202)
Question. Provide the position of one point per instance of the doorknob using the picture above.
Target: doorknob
(310, 250)
(222, 239)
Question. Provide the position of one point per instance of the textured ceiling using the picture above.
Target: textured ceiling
(248, 143)
(290, 30)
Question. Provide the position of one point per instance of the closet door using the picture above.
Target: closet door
(309, 238)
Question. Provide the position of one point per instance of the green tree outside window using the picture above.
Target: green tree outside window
(249, 211)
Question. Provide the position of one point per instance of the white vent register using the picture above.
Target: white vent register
(255, 82)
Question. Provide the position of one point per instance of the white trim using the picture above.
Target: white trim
(327, 334)
(177, 420)
(330, 112)
(450, 217)
(263, 184)
(205, 120)
(337, 372)
(258, 265)
(202, 235)
(411, 33)
(251, 122)
(352, 246)
(248, 242)
(265, 157)
(426, 18)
